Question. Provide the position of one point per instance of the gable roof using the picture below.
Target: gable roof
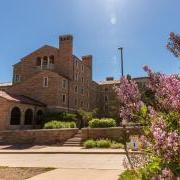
(44, 46)
(20, 99)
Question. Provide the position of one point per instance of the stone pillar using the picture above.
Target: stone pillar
(48, 65)
(41, 63)
(22, 118)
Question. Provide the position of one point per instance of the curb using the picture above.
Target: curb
(65, 152)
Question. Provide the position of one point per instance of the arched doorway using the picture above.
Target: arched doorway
(39, 117)
(15, 116)
(28, 117)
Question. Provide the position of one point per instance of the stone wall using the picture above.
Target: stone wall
(41, 136)
(110, 133)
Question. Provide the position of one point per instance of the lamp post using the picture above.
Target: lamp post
(122, 63)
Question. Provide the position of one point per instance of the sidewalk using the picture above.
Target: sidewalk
(79, 174)
(59, 150)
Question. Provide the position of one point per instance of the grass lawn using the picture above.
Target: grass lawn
(21, 173)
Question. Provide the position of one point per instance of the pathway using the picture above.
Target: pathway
(70, 166)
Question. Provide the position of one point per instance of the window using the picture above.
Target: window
(76, 62)
(38, 61)
(17, 78)
(82, 79)
(15, 116)
(64, 83)
(82, 90)
(51, 58)
(105, 98)
(64, 98)
(45, 82)
(76, 89)
(76, 77)
(82, 67)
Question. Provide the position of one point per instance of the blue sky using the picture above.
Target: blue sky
(99, 27)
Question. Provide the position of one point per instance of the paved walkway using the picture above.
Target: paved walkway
(57, 150)
(70, 166)
(79, 174)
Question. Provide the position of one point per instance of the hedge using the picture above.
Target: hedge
(59, 124)
(102, 123)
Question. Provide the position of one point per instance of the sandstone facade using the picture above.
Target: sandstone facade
(60, 80)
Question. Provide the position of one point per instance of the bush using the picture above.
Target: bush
(115, 145)
(90, 144)
(103, 143)
(59, 124)
(85, 116)
(102, 123)
(129, 175)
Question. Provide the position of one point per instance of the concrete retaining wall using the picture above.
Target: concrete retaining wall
(41, 136)
(117, 133)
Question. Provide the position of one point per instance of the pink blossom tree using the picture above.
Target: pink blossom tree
(174, 44)
(129, 97)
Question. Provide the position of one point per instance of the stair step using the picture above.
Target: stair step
(75, 141)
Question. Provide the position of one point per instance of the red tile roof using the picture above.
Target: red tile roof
(20, 99)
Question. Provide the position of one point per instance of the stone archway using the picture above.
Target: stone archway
(15, 116)
(28, 117)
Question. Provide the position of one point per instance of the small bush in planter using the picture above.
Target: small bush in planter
(90, 144)
(103, 143)
(102, 123)
(115, 145)
(59, 124)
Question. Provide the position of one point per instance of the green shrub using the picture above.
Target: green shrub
(85, 116)
(59, 124)
(102, 123)
(115, 145)
(103, 143)
(130, 175)
(90, 144)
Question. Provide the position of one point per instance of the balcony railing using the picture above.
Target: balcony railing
(45, 67)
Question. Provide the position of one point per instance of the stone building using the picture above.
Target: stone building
(53, 79)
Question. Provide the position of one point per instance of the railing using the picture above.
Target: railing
(45, 67)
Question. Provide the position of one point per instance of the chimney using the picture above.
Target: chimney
(66, 44)
(87, 60)
(109, 79)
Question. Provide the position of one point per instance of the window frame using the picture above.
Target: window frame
(17, 79)
(64, 98)
(64, 84)
(45, 82)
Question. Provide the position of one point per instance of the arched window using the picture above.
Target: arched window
(15, 116)
(51, 59)
(28, 117)
(45, 60)
(38, 61)
(39, 117)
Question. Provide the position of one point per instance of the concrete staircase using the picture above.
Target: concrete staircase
(75, 141)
